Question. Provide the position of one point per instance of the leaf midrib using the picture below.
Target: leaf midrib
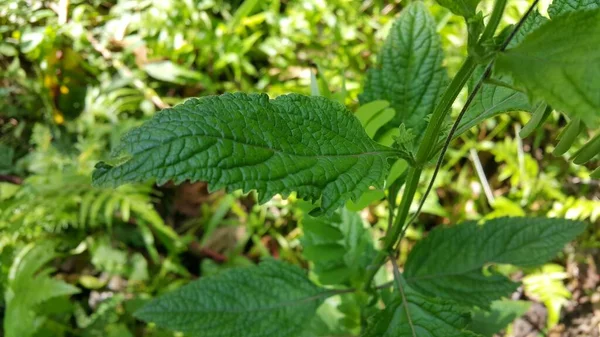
(278, 305)
(388, 151)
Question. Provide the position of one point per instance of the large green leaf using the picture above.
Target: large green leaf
(339, 246)
(560, 7)
(271, 299)
(449, 263)
(531, 23)
(409, 72)
(493, 100)
(422, 316)
(464, 8)
(560, 64)
(311, 145)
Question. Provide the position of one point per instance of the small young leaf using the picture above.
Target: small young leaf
(423, 316)
(409, 73)
(366, 112)
(464, 8)
(538, 117)
(270, 299)
(311, 145)
(560, 64)
(449, 262)
(568, 137)
(588, 151)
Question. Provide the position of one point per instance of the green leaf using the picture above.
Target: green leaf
(449, 262)
(533, 22)
(500, 315)
(423, 317)
(409, 72)
(560, 7)
(170, 72)
(464, 8)
(242, 12)
(560, 63)
(367, 111)
(270, 299)
(338, 245)
(490, 101)
(311, 145)
(29, 286)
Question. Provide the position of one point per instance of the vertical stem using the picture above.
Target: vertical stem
(414, 173)
(495, 18)
(443, 108)
(428, 144)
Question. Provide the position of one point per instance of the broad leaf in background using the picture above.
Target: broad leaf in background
(423, 316)
(560, 64)
(271, 299)
(28, 287)
(246, 141)
(409, 72)
(339, 246)
(449, 262)
(500, 315)
(466, 8)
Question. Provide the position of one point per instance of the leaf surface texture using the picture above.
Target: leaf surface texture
(449, 262)
(310, 145)
(409, 73)
(271, 299)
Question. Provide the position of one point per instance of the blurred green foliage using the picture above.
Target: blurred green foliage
(75, 75)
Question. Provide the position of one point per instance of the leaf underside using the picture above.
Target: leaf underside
(409, 72)
(423, 317)
(491, 100)
(271, 299)
(310, 145)
(449, 262)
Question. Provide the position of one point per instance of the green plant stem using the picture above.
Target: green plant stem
(414, 173)
(485, 76)
(494, 21)
(428, 144)
(442, 109)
